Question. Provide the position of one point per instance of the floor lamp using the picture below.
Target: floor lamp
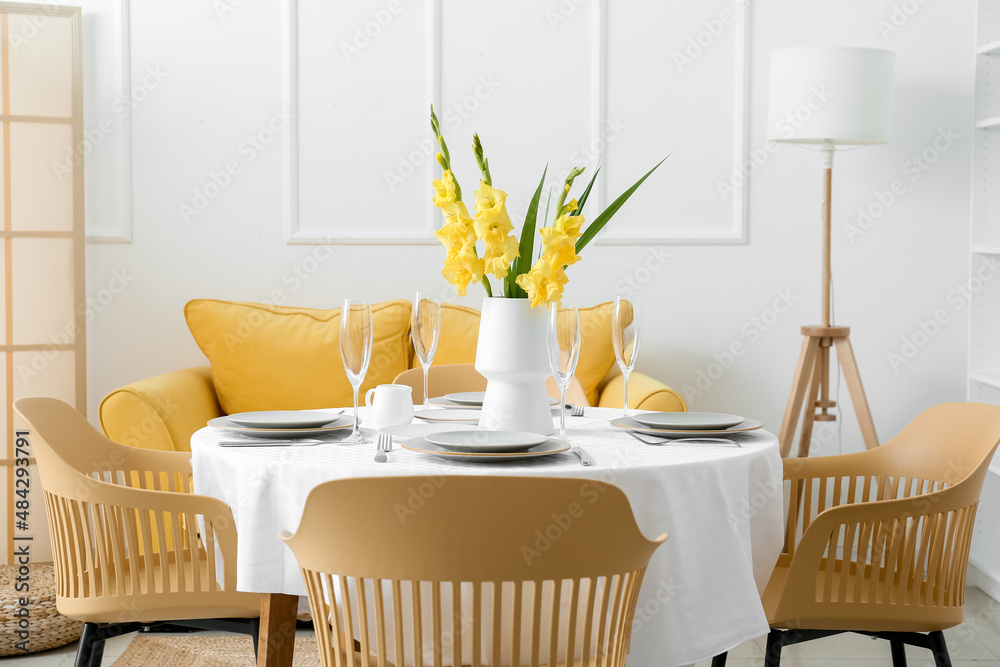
(828, 98)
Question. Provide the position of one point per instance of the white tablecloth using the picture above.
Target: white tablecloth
(721, 505)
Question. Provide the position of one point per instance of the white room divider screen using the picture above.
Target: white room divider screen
(44, 310)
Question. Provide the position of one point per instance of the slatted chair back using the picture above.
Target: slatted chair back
(879, 540)
(130, 541)
(472, 570)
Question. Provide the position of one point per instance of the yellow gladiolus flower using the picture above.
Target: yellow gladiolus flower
(446, 195)
(493, 227)
(458, 235)
(569, 208)
(461, 269)
(543, 283)
(559, 240)
(499, 256)
(458, 231)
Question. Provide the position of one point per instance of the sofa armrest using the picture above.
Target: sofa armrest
(161, 412)
(644, 393)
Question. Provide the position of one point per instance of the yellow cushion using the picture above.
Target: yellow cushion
(597, 353)
(644, 393)
(279, 358)
(460, 334)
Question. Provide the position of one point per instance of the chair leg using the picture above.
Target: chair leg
(772, 654)
(255, 635)
(940, 649)
(85, 649)
(720, 660)
(898, 653)
(97, 654)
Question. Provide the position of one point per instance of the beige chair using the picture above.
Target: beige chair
(402, 564)
(132, 545)
(877, 542)
(449, 378)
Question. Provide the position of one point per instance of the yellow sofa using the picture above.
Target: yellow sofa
(274, 357)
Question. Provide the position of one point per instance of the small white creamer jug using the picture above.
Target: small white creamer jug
(392, 406)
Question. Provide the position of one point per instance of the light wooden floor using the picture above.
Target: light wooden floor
(975, 643)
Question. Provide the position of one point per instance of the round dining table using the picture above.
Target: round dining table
(720, 503)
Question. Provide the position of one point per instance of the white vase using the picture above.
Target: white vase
(511, 356)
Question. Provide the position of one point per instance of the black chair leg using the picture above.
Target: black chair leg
(898, 653)
(97, 654)
(85, 649)
(255, 635)
(772, 654)
(720, 660)
(940, 649)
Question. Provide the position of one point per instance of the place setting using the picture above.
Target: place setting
(710, 428)
(274, 428)
(485, 446)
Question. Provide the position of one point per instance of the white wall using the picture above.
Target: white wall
(225, 75)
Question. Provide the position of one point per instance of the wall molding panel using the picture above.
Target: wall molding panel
(111, 222)
(298, 231)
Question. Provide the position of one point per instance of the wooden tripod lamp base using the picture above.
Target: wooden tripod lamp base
(812, 382)
(860, 115)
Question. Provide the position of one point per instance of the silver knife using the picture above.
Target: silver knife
(267, 443)
(585, 458)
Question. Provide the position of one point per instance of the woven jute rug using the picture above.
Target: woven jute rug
(174, 651)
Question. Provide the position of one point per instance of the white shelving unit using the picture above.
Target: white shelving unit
(984, 310)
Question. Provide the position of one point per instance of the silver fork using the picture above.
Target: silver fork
(383, 447)
(577, 411)
(652, 440)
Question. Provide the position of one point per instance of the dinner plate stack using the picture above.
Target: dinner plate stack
(483, 446)
(464, 407)
(467, 400)
(284, 424)
(687, 424)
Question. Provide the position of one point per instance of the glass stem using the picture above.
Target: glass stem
(625, 406)
(562, 411)
(427, 405)
(354, 433)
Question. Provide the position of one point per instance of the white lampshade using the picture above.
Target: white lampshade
(830, 95)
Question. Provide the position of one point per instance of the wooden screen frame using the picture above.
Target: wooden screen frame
(79, 344)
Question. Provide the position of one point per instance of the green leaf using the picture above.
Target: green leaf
(526, 249)
(598, 224)
(586, 193)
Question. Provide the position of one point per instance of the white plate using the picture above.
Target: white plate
(453, 415)
(694, 421)
(472, 399)
(549, 447)
(442, 402)
(633, 425)
(284, 418)
(422, 429)
(467, 397)
(482, 440)
(333, 426)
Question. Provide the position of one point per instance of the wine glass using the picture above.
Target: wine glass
(563, 343)
(356, 350)
(626, 330)
(425, 329)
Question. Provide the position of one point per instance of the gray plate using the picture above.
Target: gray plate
(549, 447)
(482, 440)
(224, 424)
(692, 421)
(633, 425)
(285, 418)
(468, 400)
